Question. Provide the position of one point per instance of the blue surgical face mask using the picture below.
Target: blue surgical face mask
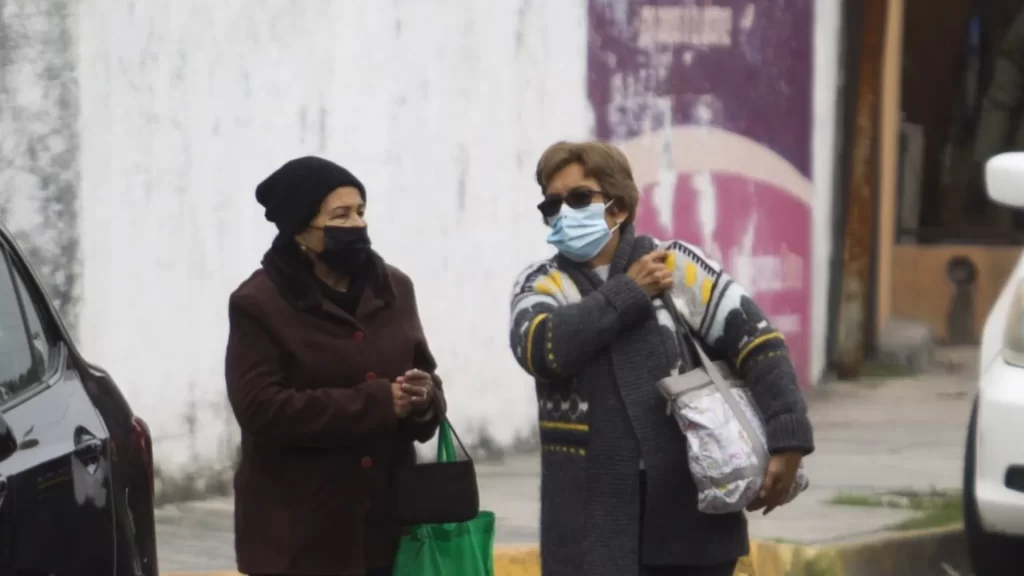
(580, 233)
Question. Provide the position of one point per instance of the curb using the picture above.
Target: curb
(932, 551)
(935, 551)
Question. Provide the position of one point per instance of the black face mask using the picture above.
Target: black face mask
(345, 248)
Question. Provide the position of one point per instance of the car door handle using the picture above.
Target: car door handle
(89, 449)
(89, 452)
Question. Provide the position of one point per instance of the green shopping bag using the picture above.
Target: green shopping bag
(459, 549)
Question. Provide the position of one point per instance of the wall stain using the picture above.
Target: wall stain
(39, 143)
(462, 160)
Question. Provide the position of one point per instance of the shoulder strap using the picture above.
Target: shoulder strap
(723, 386)
(695, 342)
(445, 446)
(687, 343)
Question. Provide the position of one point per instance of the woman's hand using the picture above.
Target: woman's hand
(778, 481)
(419, 387)
(651, 273)
(402, 401)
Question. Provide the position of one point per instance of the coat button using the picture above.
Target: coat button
(371, 375)
(367, 462)
(358, 336)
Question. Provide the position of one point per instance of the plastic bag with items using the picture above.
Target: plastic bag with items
(725, 436)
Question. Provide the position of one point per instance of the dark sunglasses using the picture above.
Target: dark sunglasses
(575, 198)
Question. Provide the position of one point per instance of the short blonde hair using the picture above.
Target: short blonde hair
(602, 162)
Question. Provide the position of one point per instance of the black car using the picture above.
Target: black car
(76, 466)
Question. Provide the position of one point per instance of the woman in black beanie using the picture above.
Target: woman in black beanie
(331, 380)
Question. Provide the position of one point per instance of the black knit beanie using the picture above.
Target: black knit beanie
(292, 195)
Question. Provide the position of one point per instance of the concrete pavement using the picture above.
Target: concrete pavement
(197, 536)
(875, 436)
(872, 436)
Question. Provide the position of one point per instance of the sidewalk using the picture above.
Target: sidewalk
(873, 436)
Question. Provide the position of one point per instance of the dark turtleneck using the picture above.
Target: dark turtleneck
(347, 300)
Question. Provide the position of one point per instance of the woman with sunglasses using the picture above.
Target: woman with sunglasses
(617, 497)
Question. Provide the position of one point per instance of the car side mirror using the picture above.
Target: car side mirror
(1004, 179)
(8, 442)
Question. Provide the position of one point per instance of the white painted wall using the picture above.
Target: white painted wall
(440, 107)
(827, 61)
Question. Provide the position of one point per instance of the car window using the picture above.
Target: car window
(41, 335)
(22, 365)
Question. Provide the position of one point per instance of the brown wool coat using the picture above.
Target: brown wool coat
(311, 388)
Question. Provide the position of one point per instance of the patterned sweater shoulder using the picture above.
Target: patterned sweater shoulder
(554, 331)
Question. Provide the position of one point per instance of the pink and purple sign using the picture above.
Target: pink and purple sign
(711, 101)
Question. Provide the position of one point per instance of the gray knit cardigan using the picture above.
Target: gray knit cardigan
(596, 350)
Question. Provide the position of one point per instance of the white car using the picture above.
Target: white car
(993, 490)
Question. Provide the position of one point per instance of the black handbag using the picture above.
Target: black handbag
(438, 492)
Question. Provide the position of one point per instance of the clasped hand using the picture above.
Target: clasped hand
(413, 391)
